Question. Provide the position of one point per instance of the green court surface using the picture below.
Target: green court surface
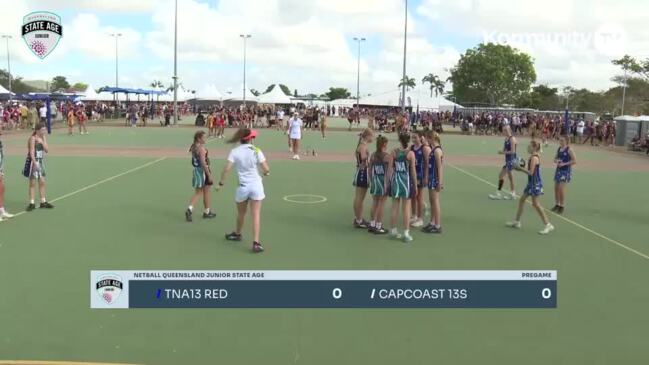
(126, 213)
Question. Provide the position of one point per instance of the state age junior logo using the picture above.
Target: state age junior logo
(42, 31)
(109, 287)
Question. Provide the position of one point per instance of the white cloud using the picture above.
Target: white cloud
(572, 42)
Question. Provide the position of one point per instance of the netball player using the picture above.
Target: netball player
(202, 179)
(3, 212)
(294, 132)
(509, 151)
(247, 159)
(220, 124)
(403, 177)
(35, 167)
(379, 162)
(360, 178)
(211, 125)
(564, 159)
(534, 189)
(420, 149)
(81, 119)
(323, 124)
(434, 180)
(70, 120)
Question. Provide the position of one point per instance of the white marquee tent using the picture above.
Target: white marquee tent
(91, 95)
(209, 93)
(275, 96)
(237, 95)
(4, 91)
(414, 98)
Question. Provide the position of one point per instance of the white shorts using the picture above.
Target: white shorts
(249, 192)
(293, 136)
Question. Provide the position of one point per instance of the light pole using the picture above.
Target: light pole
(358, 71)
(7, 38)
(405, 41)
(624, 91)
(176, 63)
(116, 35)
(245, 40)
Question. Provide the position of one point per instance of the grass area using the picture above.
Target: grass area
(136, 222)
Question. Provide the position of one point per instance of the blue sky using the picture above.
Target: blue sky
(308, 44)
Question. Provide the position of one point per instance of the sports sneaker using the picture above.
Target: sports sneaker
(555, 208)
(380, 231)
(514, 224)
(363, 224)
(560, 210)
(297, 157)
(435, 230)
(412, 220)
(46, 205)
(497, 196)
(31, 207)
(548, 228)
(2, 219)
(418, 223)
(257, 247)
(233, 236)
(209, 215)
(371, 230)
(6, 215)
(188, 215)
(427, 228)
(396, 235)
(509, 196)
(407, 238)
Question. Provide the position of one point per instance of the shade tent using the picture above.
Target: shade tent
(237, 95)
(414, 99)
(209, 93)
(345, 103)
(274, 96)
(4, 91)
(91, 95)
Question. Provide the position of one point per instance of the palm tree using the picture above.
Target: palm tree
(435, 83)
(409, 82)
(156, 84)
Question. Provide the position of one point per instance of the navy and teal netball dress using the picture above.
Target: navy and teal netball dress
(199, 176)
(433, 179)
(563, 174)
(360, 178)
(419, 163)
(534, 183)
(379, 168)
(400, 186)
(37, 170)
(510, 159)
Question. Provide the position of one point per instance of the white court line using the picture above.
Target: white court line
(101, 182)
(579, 225)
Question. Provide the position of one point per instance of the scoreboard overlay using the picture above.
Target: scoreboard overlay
(323, 289)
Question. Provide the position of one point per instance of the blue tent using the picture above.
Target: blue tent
(47, 98)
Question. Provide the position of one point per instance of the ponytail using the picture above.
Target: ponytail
(239, 136)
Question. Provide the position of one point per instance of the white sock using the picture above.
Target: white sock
(2, 210)
(406, 232)
(379, 225)
(207, 211)
(191, 208)
(393, 231)
(372, 223)
(43, 200)
(31, 201)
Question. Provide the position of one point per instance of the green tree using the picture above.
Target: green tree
(408, 81)
(59, 83)
(492, 73)
(337, 93)
(295, 93)
(255, 92)
(157, 84)
(17, 84)
(435, 84)
(80, 86)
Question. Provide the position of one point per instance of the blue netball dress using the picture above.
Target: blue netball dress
(534, 183)
(563, 174)
(360, 178)
(510, 159)
(433, 179)
(199, 176)
(401, 186)
(379, 168)
(419, 164)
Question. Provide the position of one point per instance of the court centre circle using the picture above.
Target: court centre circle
(305, 199)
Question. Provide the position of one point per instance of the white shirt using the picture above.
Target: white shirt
(43, 112)
(580, 126)
(294, 128)
(280, 114)
(246, 159)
